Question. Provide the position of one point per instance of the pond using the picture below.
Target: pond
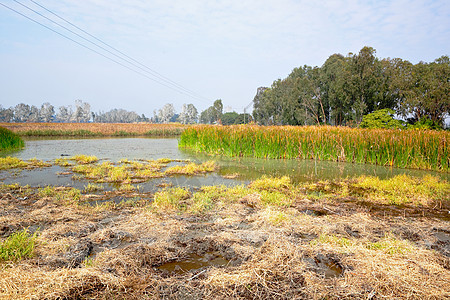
(232, 171)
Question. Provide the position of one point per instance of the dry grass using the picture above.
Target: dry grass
(314, 248)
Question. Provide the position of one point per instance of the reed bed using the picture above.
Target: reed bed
(419, 149)
(9, 140)
(95, 129)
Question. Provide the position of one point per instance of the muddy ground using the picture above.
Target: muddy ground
(311, 249)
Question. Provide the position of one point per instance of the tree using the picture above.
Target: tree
(166, 113)
(229, 118)
(6, 114)
(34, 115)
(46, 112)
(218, 110)
(64, 114)
(117, 116)
(82, 112)
(427, 92)
(207, 116)
(21, 112)
(188, 114)
(243, 119)
(212, 114)
(333, 74)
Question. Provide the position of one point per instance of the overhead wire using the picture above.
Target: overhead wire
(118, 51)
(160, 79)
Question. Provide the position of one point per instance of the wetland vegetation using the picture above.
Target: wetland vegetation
(422, 149)
(360, 237)
(94, 129)
(9, 140)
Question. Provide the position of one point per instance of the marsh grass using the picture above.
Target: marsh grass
(92, 187)
(96, 129)
(9, 162)
(192, 169)
(18, 246)
(63, 195)
(84, 159)
(398, 148)
(171, 199)
(127, 171)
(10, 140)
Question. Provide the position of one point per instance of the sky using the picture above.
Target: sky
(205, 50)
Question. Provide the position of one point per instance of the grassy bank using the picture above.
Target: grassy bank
(9, 140)
(406, 149)
(95, 129)
(355, 239)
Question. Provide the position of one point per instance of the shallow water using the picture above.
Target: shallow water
(232, 170)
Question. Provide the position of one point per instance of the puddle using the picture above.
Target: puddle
(314, 213)
(328, 267)
(193, 262)
(332, 269)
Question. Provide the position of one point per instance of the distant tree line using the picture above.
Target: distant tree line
(81, 113)
(345, 88)
(46, 113)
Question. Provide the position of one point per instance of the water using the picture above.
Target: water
(232, 170)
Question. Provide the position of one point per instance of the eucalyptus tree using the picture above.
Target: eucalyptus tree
(427, 92)
(189, 114)
(6, 114)
(47, 112)
(166, 113)
(21, 112)
(64, 113)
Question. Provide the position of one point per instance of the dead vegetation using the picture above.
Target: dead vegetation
(243, 242)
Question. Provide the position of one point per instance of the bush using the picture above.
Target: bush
(383, 118)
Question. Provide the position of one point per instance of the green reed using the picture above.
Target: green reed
(9, 140)
(399, 148)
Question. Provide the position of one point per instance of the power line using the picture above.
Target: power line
(118, 51)
(173, 86)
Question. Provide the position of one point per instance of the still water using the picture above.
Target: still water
(232, 171)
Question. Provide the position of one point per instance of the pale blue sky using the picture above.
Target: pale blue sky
(218, 49)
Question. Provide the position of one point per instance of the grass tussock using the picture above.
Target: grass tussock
(405, 149)
(18, 246)
(10, 140)
(192, 168)
(9, 162)
(84, 159)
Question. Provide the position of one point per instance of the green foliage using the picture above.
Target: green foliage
(426, 124)
(18, 246)
(345, 88)
(229, 118)
(9, 140)
(383, 118)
